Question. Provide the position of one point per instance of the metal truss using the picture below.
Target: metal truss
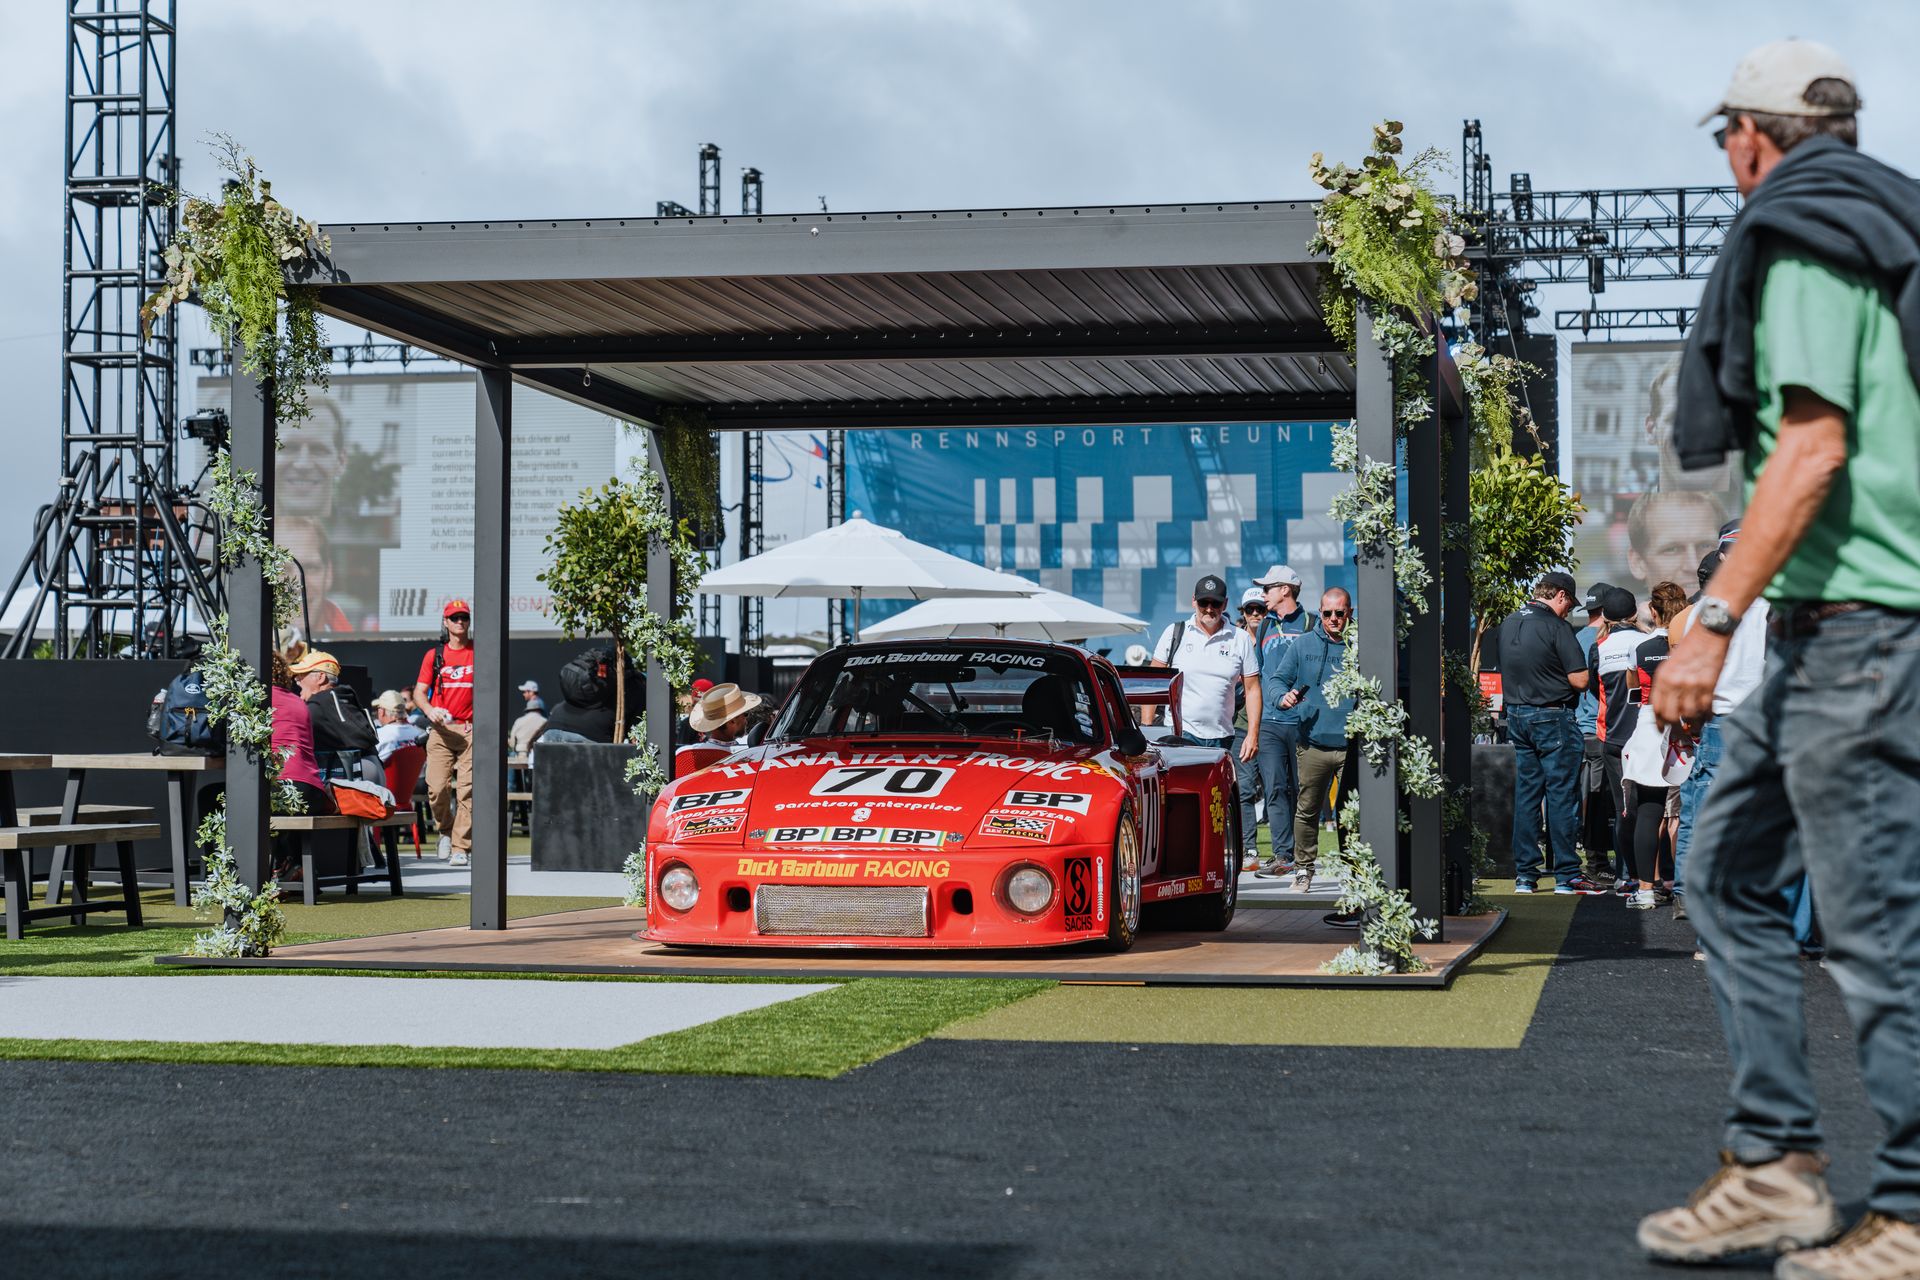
(1607, 320)
(124, 548)
(341, 357)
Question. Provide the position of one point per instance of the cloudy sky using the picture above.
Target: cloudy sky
(441, 109)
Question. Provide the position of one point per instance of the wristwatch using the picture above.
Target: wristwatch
(1713, 614)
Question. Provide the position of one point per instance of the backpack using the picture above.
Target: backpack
(177, 721)
(587, 681)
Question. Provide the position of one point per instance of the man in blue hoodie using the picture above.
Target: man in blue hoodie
(1306, 666)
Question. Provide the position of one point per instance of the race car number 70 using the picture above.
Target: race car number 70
(882, 780)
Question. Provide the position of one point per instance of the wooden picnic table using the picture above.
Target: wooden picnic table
(180, 771)
(10, 761)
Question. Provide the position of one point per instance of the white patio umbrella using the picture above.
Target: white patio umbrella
(1044, 615)
(857, 559)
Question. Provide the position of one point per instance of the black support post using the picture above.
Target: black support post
(660, 717)
(251, 432)
(492, 533)
(1427, 859)
(1378, 788)
(1456, 630)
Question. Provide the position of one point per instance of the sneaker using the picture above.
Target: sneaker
(459, 859)
(1679, 906)
(445, 850)
(1342, 919)
(1523, 886)
(1602, 875)
(1783, 1204)
(1577, 884)
(1275, 869)
(1878, 1248)
(1303, 881)
(1640, 900)
(1250, 861)
(1625, 888)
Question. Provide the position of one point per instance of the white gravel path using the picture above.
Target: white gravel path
(481, 1013)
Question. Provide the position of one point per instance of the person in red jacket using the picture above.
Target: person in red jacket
(445, 689)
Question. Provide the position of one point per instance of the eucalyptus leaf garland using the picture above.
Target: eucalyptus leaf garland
(231, 256)
(1391, 245)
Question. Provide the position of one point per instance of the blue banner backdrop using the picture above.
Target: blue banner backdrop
(1123, 517)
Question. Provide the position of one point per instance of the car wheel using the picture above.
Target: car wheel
(1123, 884)
(1213, 912)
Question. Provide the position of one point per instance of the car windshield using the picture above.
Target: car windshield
(978, 692)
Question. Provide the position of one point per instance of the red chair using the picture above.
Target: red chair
(403, 774)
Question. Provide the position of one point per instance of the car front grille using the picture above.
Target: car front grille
(829, 910)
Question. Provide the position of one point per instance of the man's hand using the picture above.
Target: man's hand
(1290, 699)
(1251, 747)
(1683, 686)
(439, 715)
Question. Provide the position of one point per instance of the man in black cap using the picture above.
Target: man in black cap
(1596, 809)
(1214, 660)
(1542, 673)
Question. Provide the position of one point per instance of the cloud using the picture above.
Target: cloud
(469, 108)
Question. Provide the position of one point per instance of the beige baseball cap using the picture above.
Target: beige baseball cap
(1774, 78)
(1279, 575)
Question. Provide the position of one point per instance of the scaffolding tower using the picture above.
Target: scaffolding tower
(124, 550)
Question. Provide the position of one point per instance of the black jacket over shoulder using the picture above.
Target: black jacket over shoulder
(1823, 199)
(340, 723)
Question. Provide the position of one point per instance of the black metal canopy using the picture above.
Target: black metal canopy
(1175, 313)
(1003, 317)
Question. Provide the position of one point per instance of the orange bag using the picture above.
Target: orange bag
(360, 799)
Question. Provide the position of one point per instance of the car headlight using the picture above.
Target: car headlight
(1029, 890)
(678, 887)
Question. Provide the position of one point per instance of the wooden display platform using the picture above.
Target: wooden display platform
(1281, 947)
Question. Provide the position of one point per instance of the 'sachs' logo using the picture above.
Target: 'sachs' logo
(1217, 810)
(1079, 895)
(705, 800)
(713, 825)
(1071, 801)
(1018, 828)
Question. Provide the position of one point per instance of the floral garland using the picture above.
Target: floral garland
(646, 775)
(231, 255)
(1391, 244)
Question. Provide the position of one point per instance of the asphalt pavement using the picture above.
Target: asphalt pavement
(953, 1158)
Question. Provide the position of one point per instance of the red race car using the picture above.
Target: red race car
(949, 793)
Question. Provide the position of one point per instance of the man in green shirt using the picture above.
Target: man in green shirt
(1799, 363)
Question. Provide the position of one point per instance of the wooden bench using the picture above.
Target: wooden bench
(48, 815)
(302, 826)
(82, 837)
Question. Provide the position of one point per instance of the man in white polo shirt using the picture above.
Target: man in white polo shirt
(1214, 660)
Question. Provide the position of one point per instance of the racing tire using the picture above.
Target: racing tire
(1213, 912)
(1123, 888)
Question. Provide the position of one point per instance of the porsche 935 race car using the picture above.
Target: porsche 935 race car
(951, 793)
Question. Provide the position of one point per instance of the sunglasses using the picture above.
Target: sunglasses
(1212, 606)
(459, 617)
(1333, 613)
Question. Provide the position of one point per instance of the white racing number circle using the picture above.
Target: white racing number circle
(883, 780)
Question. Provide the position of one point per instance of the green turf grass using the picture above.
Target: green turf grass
(818, 1036)
(112, 948)
(1489, 1005)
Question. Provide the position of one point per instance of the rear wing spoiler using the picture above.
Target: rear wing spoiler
(1152, 687)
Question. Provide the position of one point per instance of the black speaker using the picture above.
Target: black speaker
(585, 815)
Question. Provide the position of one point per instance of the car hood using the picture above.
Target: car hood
(915, 797)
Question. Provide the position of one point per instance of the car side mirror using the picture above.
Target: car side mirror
(1130, 741)
(756, 734)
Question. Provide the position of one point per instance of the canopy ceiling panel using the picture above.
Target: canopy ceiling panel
(1166, 313)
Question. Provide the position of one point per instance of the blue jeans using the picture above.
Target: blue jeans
(1251, 781)
(1693, 793)
(1548, 753)
(1829, 746)
(1280, 771)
